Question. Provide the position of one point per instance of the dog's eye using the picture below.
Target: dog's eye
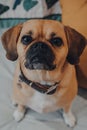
(57, 41)
(26, 39)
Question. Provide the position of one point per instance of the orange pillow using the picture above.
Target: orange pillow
(74, 14)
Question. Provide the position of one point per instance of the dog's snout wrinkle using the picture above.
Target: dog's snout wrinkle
(40, 45)
(40, 49)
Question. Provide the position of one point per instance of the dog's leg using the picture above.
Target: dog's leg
(69, 117)
(19, 113)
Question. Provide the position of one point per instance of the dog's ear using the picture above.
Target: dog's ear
(9, 41)
(76, 43)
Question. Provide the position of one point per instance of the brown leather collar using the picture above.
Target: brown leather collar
(45, 89)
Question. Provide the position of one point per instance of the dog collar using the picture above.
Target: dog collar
(45, 89)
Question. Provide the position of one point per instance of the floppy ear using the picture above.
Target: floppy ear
(9, 41)
(76, 43)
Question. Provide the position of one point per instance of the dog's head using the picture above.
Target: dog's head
(43, 45)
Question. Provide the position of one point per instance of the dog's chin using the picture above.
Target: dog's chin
(40, 66)
(40, 73)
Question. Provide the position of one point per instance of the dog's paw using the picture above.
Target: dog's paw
(18, 116)
(14, 103)
(69, 119)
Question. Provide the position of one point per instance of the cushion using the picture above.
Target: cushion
(13, 12)
(74, 14)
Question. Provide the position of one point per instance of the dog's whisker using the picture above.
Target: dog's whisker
(22, 56)
(23, 60)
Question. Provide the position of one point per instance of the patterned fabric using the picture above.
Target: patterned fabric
(14, 11)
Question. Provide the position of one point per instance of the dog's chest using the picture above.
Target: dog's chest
(42, 103)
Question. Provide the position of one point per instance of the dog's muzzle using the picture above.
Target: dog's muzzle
(40, 56)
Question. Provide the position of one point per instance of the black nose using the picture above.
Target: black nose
(39, 47)
(39, 56)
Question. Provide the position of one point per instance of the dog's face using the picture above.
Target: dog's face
(42, 45)
(43, 48)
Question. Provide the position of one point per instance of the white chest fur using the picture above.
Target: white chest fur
(42, 103)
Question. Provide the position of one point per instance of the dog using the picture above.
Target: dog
(45, 78)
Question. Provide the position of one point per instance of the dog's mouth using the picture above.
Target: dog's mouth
(38, 64)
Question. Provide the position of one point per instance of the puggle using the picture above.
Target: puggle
(45, 78)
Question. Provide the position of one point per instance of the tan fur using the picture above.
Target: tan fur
(64, 72)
